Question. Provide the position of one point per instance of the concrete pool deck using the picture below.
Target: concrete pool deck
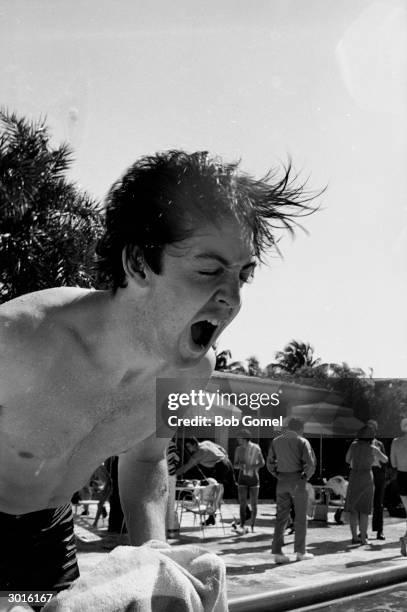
(254, 581)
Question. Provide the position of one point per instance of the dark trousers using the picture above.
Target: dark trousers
(116, 517)
(291, 491)
(379, 478)
(223, 472)
(37, 550)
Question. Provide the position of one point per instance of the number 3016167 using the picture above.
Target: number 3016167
(30, 597)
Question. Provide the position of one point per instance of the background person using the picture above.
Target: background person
(398, 458)
(212, 460)
(292, 461)
(359, 498)
(248, 460)
(101, 484)
(82, 495)
(379, 481)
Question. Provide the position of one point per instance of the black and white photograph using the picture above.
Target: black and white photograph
(203, 305)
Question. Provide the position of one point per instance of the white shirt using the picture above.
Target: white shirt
(398, 453)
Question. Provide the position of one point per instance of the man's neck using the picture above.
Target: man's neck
(291, 433)
(115, 334)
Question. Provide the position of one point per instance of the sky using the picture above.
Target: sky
(320, 81)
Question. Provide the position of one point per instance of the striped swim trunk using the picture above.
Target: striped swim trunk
(37, 550)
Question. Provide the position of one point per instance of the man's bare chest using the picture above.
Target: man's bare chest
(75, 412)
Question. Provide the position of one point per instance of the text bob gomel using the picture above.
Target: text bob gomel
(223, 421)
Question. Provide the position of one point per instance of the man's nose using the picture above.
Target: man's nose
(229, 295)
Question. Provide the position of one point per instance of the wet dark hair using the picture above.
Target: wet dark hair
(160, 198)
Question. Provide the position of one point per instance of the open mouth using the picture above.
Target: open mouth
(202, 332)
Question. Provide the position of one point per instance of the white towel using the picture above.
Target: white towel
(338, 484)
(151, 578)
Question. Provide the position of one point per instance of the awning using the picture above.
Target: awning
(324, 420)
(327, 420)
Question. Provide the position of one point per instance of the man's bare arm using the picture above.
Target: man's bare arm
(143, 485)
(143, 475)
(260, 460)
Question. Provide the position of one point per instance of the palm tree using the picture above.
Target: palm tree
(295, 355)
(222, 360)
(253, 366)
(223, 363)
(48, 227)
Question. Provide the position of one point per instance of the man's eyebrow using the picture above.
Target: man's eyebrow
(222, 260)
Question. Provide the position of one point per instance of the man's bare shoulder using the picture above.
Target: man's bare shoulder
(22, 319)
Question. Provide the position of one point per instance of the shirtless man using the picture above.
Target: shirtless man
(248, 460)
(79, 367)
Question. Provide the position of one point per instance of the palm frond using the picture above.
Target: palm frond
(48, 226)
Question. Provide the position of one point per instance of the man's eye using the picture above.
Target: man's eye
(209, 272)
(247, 277)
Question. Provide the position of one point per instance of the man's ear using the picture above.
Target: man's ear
(134, 265)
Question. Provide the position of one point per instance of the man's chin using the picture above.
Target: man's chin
(190, 355)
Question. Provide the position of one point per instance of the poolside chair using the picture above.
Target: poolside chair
(206, 501)
(339, 486)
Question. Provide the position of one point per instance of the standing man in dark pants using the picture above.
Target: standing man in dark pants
(291, 460)
(379, 478)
